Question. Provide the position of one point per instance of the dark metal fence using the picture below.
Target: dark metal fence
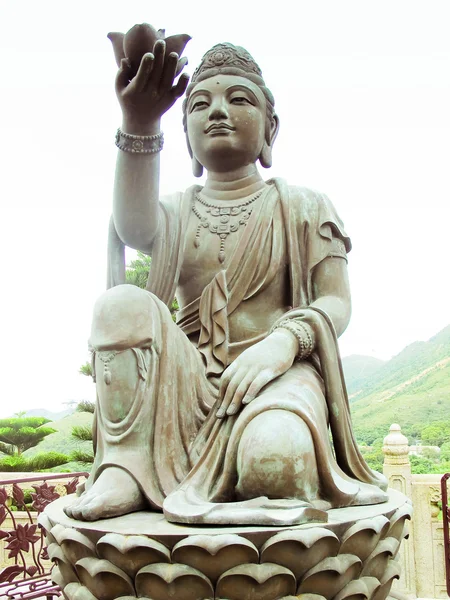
(22, 500)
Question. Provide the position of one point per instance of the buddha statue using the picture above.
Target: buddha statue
(237, 413)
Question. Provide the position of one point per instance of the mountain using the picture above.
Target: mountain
(357, 368)
(412, 389)
(53, 416)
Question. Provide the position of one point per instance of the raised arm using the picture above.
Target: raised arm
(143, 98)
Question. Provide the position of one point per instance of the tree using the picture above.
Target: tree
(83, 433)
(138, 269)
(436, 434)
(19, 434)
(137, 272)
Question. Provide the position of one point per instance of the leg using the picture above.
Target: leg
(276, 458)
(125, 325)
(114, 492)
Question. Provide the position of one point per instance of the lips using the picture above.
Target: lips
(219, 127)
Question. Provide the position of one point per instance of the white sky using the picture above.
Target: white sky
(363, 93)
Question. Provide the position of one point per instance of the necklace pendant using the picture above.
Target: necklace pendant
(221, 256)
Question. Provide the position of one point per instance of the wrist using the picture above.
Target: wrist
(287, 338)
(137, 127)
(302, 332)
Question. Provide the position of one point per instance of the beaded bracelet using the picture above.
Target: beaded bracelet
(303, 332)
(140, 144)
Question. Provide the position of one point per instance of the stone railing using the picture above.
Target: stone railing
(422, 555)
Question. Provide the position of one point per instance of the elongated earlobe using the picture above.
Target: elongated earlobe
(197, 168)
(265, 158)
(272, 128)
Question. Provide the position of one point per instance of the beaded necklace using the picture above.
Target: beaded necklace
(227, 219)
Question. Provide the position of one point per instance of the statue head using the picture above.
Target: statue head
(227, 59)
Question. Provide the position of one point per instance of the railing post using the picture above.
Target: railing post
(397, 469)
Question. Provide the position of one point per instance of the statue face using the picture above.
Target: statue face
(226, 117)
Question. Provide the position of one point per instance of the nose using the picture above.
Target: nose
(218, 109)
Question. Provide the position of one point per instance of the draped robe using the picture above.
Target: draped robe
(172, 444)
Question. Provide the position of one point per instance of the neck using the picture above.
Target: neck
(233, 184)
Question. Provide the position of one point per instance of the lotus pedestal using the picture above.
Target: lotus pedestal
(141, 555)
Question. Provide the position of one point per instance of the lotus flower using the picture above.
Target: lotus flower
(141, 39)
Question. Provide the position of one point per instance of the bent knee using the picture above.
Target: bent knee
(276, 458)
(124, 316)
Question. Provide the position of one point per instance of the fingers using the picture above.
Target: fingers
(233, 388)
(236, 401)
(145, 70)
(123, 74)
(159, 51)
(181, 85)
(225, 382)
(262, 379)
(169, 70)
(181, 64)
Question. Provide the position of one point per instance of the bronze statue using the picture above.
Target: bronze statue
(225, 416)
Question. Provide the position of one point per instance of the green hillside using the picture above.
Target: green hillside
(62, 441)
(357, 369)
(412, 389)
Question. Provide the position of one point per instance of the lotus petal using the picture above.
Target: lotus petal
(76, 591)
(215, 554)
(362, 538)
(331, 575)
(103, 579)
(361, 589)
(177, 43)
(117, 44)
(139, 40)
(162, 581)
(300, 550)
(392, 572)
(399, 526)
(376, 564)
(63, 568)
(131, 553)
(75, 544)
(265, 582)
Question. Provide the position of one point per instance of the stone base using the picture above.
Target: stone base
(351, 557)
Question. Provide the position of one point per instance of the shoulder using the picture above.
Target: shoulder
(307, 202)
(171, 202)
(310, 207)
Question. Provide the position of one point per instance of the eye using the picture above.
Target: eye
(240, 100)
(198, 105)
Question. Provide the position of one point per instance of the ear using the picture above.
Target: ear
(197, 167)
(265, 158)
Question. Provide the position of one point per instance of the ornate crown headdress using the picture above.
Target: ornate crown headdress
(227, 59)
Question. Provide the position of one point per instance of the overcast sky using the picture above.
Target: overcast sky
(363, 94)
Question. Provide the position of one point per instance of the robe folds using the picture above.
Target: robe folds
(184, 458)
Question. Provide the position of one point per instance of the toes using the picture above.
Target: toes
(69, 510)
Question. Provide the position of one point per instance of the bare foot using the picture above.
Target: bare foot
(114, 493)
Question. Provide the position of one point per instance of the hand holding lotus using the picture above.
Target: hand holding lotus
(148, 65)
